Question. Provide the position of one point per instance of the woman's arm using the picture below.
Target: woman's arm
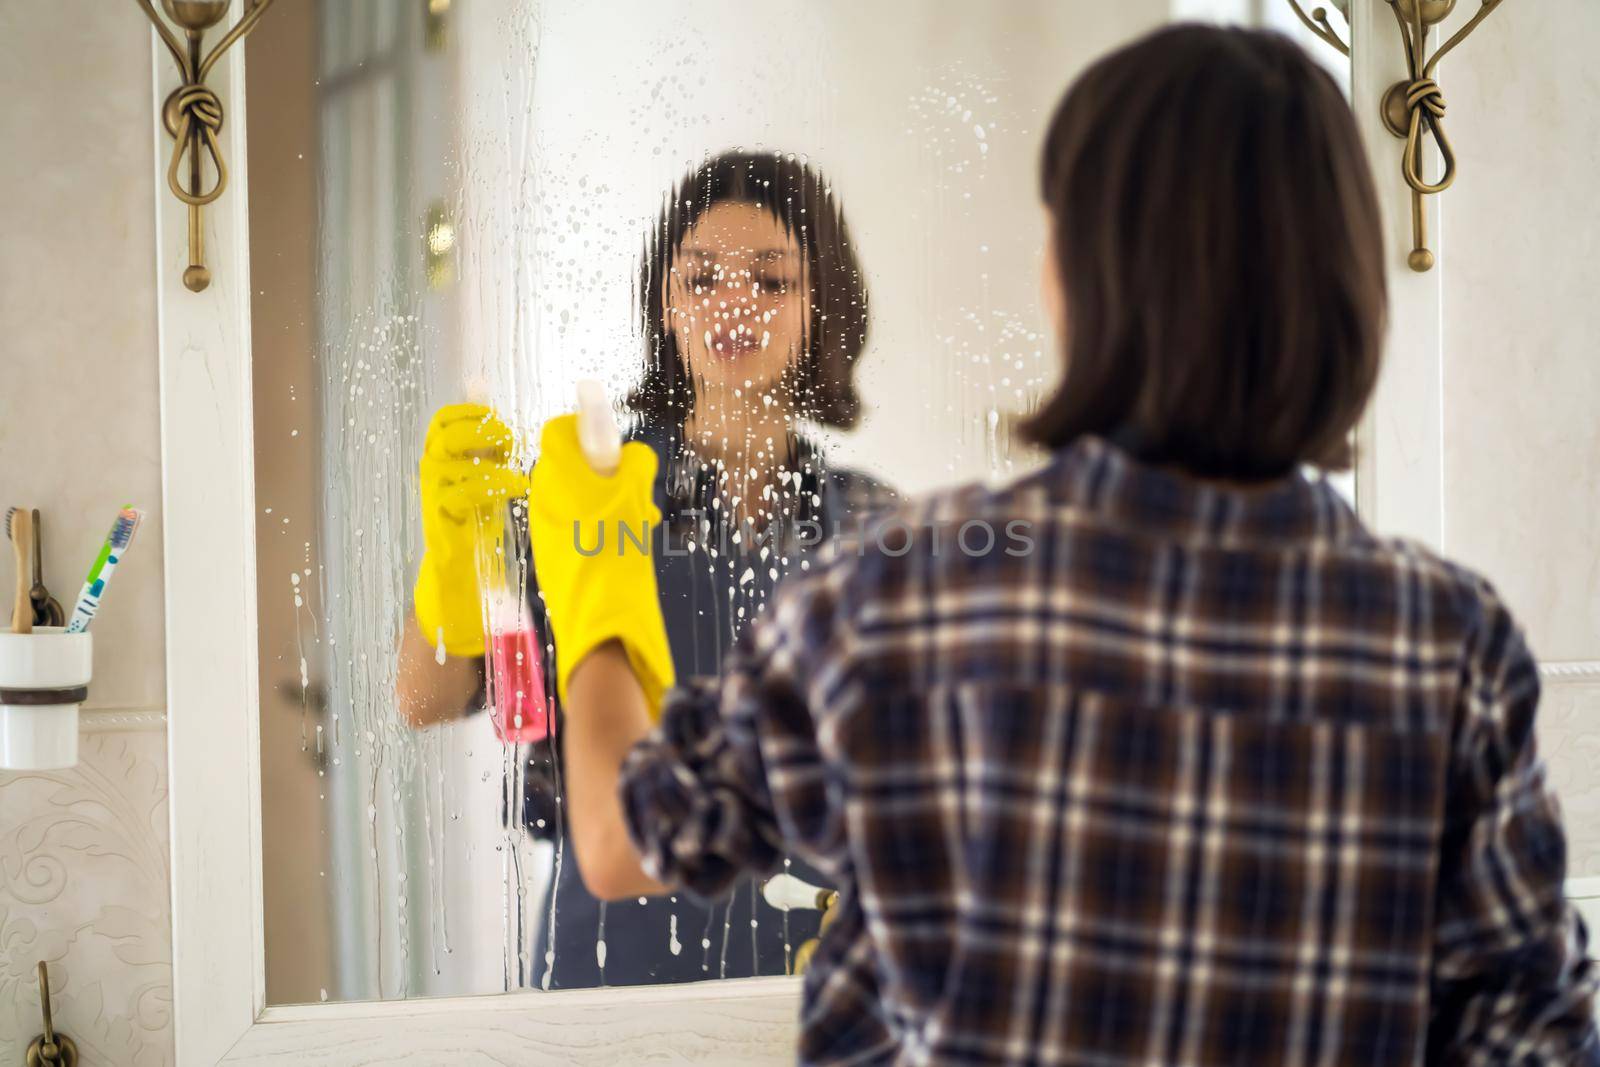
(738, 769)
(613, 662)
(430, 690)
(606, 716)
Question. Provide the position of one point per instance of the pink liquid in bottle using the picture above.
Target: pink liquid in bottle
(519, 710)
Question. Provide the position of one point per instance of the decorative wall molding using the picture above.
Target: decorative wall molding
(1572, 670)
(83, 886)
(117, 720)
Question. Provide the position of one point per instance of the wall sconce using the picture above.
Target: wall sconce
(439, 246)
(1317, 22)
(1417, 104)
(435, 25)
(193, 113)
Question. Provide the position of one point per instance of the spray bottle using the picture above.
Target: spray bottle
(520, 708)
(598, 435)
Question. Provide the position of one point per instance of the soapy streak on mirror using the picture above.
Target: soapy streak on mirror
(368, 440)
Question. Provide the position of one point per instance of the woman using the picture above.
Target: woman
(1211, 774)
(754, 310)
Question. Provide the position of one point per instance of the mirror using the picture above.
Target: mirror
(828, 216)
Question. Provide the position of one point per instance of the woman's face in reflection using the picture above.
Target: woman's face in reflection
(737, 301)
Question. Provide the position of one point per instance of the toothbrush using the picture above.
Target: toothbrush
(19, 526)
(105, 564)
(597, 428)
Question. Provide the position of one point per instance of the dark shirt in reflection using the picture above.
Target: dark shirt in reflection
(714, 576)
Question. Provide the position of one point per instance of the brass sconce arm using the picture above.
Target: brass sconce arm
(193, 113)
(1416, 106)
(1317, 22)
(1484, 11)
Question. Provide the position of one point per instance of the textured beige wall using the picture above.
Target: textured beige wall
(1521, 257)
(79, 418)
(1521, 318)
(83, 856)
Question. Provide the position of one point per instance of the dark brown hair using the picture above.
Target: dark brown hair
(1219, 244)
(822, 384)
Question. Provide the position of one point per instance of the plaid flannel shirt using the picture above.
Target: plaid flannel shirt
(1198, 776)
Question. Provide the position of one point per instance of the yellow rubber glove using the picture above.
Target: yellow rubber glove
(593, 597)
(467, 480)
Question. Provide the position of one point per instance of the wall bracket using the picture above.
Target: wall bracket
(193, 112)
(1415, 106)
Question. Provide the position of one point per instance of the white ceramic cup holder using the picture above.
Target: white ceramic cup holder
(44, 677)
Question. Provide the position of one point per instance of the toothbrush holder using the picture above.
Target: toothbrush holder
(44, 676)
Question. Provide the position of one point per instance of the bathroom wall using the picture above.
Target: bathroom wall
(83, 853)
(83, 862)
(1521, 261)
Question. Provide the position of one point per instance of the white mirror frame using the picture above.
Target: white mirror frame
(219, 981)
(218, 972)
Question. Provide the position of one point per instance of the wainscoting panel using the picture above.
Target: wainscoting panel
(1569, 738)
(83, 886)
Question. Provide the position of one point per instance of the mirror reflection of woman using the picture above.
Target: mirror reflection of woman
(754, 310)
